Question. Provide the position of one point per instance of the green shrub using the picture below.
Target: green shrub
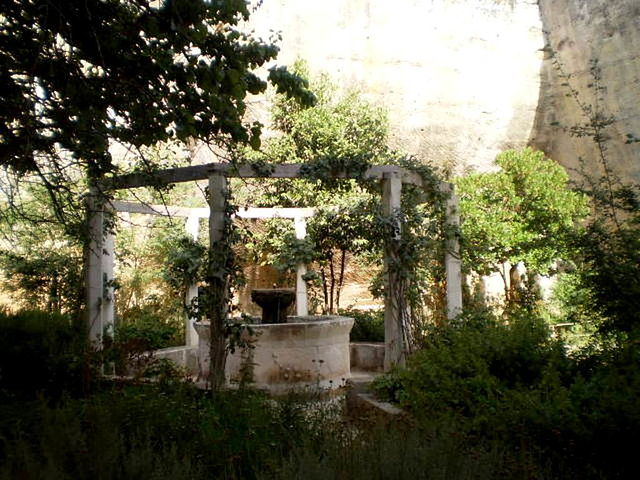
(160, 431)
(368, 325)
(150, 331)
(134, 431)
(610, 273)
(468, 364)
(510, 384)
(139, 335)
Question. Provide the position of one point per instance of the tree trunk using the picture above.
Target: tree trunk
(340, 278)
(217, 346)
(325, 291)
(332, 286)
(53, 303)
(217, 299)
(515, 284)
(505, 282)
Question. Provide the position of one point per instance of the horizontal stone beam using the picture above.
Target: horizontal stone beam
(258, 212)
(203, 172)
(203, 212)
(161, 210)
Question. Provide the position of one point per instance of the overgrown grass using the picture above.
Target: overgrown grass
(139, 335)
(174, 432)
(48, 354)
(41, 351)
(487, 399)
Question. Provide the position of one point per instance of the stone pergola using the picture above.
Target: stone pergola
(100, 257)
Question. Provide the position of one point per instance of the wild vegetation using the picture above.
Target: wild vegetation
(570, 407)
(495, 393)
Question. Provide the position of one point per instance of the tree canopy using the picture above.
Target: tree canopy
(342, 131)
(75, 75)
(521, 213)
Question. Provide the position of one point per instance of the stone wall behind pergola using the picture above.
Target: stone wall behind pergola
(99, 268)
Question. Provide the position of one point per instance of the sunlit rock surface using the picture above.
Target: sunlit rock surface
(460, 79)
(580, 31)
(463, 80)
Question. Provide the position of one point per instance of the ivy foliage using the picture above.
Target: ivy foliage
(183, 263)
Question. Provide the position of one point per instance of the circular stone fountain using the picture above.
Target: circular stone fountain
(308, 351)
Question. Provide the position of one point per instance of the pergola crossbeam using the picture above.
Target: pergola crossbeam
(203, 172)
(203, 212)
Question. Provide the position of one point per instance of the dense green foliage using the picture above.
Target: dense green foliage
(166, 433)
(41, 266)
(44, 278)
(608, 257)
(488, 400)
(607, 252)
(488, 397)
(522, 213)
(176, 432)
(344, 135)
(41, 351)
(140, 334)
(157, 263)
(510, 383)
(368, 325)
(184, 262)
(341, 133)
(340, 126)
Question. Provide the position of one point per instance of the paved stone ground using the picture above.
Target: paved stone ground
(363, 403)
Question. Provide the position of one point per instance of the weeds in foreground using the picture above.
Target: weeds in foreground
(487, 400)
(131, 431)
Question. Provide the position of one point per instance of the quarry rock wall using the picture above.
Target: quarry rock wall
(579, 32)
(460, 79)
(464, 79)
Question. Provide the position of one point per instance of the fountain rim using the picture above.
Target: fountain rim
(314, 320)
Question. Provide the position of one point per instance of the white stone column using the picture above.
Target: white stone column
(192, 226)
(302, 306)
(99, 260)
(452, 255)
(108, 260)
(217, 278)
(394, 351)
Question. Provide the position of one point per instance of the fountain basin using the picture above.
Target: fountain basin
(275, 303)
(304, 352)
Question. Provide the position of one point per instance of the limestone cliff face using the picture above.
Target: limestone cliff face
(464, 79)
(460, 79)
(580, 31)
